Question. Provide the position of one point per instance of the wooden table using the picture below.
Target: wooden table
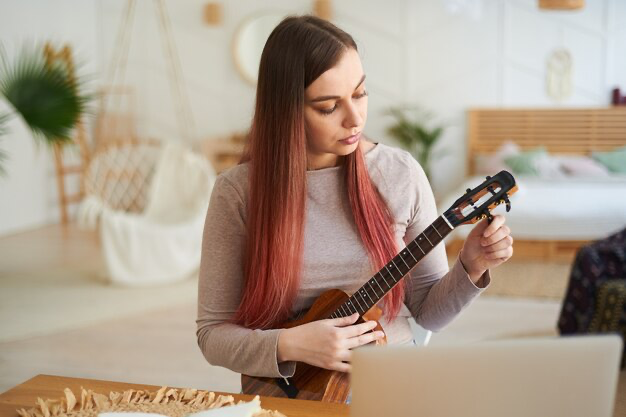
(49, 386)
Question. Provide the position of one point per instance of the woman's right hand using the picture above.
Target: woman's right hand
(326, 343)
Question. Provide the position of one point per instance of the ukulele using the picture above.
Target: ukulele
(312, 383)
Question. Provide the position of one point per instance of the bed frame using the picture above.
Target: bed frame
(574, 131)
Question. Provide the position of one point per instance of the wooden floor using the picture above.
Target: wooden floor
(158, 345)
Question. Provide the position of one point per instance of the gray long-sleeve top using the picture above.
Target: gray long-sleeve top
(334, 257)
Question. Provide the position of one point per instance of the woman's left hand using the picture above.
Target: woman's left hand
(487, 246)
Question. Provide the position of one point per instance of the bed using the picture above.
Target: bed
(550, 217)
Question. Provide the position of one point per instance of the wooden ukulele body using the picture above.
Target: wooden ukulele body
(310, 382)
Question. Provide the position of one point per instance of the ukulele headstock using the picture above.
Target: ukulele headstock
(476, 204)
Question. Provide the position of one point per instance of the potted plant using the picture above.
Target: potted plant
(414, 131)
(46, 96)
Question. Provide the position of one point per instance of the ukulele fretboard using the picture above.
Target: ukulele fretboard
(397, 268)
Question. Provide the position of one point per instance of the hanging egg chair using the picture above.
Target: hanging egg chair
(148, 199)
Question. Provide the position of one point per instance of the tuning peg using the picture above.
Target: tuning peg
(469, 190)
(486, 215)
(505, 199)
(488, 177)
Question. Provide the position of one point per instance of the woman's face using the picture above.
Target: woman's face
(335, 108)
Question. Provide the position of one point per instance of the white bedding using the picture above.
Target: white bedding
(557, 209)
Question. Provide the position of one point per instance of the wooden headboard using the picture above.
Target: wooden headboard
(560, 131)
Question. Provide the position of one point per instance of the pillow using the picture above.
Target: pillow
(582, 166)
(526, 163)
(494, 163)
(549, 166)
(615, 160)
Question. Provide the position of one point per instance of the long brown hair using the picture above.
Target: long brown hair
(296, 53)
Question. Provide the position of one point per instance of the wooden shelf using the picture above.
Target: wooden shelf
(222, 153)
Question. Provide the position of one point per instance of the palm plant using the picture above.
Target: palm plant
(413, 132)
(46, 96)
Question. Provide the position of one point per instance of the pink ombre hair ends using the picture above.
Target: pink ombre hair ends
(296, 53)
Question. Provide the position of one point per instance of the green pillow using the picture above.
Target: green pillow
(615, 160)
(524, 163)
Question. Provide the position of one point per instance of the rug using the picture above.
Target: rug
(541, 280)
(54, 279)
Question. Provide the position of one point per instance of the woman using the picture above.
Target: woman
(313, 206)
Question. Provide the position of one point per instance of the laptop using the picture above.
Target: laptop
(547, 377)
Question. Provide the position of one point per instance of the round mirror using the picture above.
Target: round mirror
(249, 42)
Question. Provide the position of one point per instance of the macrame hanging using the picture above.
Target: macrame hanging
(123, 164)
(559, 75)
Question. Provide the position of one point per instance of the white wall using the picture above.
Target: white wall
(28, 193)
(492, 53)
